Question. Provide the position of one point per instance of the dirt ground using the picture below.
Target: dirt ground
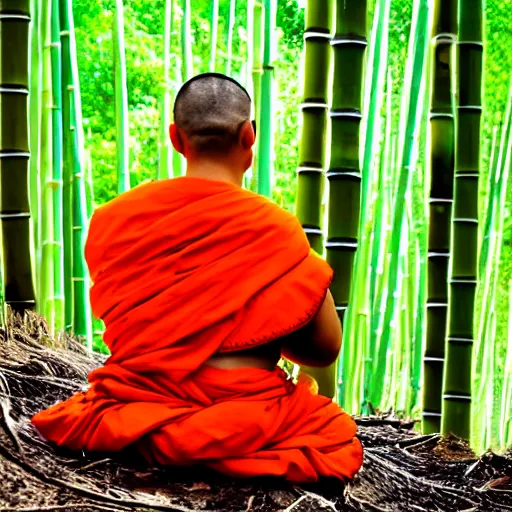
(402, 470)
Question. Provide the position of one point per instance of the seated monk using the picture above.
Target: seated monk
(202, 287)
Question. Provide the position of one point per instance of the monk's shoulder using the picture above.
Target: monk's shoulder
(273, 208)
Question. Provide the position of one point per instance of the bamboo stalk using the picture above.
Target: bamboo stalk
(374, 89)
(230, 29)
(250, 53)
(442, 171)
(57, 182)
(67, 167)
(121, 101)
(186, 42)
(165, 164)
(47, 265)
(457, 395)
(266, 131)
(312, 144)
(14, 164)
(89, 185)
(34, 124)
(377, 243)
(378, 62)
(255, 9)
(418, 329)
(344, 175)
(82, 317)
(490, 210)
(506, 398)
(214, 30)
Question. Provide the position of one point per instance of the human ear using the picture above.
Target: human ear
(247, 136)
(176, 139)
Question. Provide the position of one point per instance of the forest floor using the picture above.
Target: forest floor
(402, 471)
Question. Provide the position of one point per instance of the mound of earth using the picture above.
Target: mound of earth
(402, 471)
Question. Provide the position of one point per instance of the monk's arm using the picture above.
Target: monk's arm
(319, 342)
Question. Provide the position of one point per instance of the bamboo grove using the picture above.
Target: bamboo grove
(389, 188)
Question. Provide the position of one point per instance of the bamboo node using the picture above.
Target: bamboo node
(13, 89)
(11, 16)
(317, 35)
(314, 104)
(14, 154)
(457, 398)
(444, 37)
(15, 215)
(306, 169)
(349, 39)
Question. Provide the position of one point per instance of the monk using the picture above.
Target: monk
(203, 286)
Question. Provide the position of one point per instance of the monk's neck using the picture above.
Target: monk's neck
(212, 170)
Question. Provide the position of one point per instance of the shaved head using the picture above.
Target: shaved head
(210, 111)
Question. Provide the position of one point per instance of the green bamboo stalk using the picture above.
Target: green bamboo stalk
(344, 175)
(121, 100)
(266, 130)
(442, 171)
(394, 364)
(256, 67)
(490, 209)
(506, 397)
(230, 29)
(487, 434)
(214, 31)
(372, 121)
(491, 252)
(57, 182)
(89, 185)
(82, 317)
(14, 146)
(457, 395)
(417, 216)
(187, 63)
(413, 84)
(404, 341)
(378, 61)
(380, 258)
(250, 52)
(67, 167)
(47, 281)
(376, 247)
(312, 145)
(34, 124)
(418, 329)
(165, 164)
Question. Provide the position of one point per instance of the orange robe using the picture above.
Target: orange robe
(183, 269)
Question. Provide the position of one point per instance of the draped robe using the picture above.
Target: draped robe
(184, 269)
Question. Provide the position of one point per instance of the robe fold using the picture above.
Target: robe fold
(183, 269)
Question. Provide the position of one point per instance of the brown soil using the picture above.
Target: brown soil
(402, 470)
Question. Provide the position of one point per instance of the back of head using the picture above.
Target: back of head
(210, 110)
